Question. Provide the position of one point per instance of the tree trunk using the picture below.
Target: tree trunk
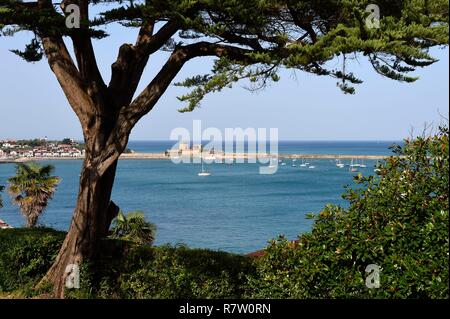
(107, 115)
(90, 223)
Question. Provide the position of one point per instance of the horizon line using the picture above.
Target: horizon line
(168, 140)
(283, 140)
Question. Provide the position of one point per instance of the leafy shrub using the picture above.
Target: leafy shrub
(26, 255)
(124, 269)
(397, 220)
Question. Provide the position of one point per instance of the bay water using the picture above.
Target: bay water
(235, 209)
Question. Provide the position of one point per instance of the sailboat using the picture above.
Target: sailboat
(362, 164)
(203, 172)
(272, 163)
(353, 167)
(377, 170)
(339, 163)
(293, 162)
(303, 163)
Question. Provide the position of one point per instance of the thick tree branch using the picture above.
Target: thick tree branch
(132, 59)
(305, 25)
(82, 44)
(68, 77)
(149, 45)
(66, 72)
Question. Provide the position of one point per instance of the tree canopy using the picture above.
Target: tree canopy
(252, 39)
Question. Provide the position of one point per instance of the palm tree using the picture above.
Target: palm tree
(31, 189)
(133, 227)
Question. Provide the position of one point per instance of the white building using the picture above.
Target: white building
(197, 148)
(75, 152)
(26, 153)
(183, 146)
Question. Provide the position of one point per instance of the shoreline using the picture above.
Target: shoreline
(162, 156)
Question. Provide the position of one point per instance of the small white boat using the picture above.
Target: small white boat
(377, 170)
(303, 164)
(339, 164)
(273, 163)
(293, 162)
(362, 164)
(4, 225)
(203, 172)
(283, 164)
(312, 166)
(353, 167)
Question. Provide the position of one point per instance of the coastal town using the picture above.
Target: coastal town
(40, 148)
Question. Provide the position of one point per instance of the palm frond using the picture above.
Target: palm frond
(31, 189)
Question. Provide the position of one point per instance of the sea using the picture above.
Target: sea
(235, 209)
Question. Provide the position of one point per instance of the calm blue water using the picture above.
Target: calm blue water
(288, 147)
(235, 209)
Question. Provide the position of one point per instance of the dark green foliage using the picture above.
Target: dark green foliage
(262, 36)
(398, 220)
(25, 255)
(131, 271)
(32, 52)
(133, 227)
(31, 143)
(124, 269)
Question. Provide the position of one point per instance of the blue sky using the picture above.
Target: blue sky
(301, 106)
